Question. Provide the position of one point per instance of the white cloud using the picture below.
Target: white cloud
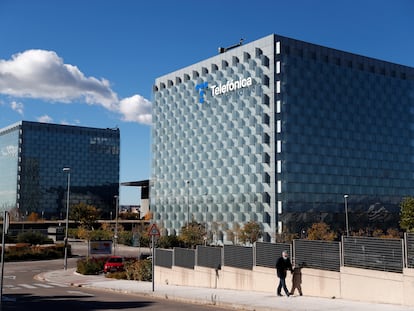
(43, 75)
(45, 119)
(136, 109)
(18, 107)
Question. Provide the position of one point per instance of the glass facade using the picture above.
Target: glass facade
(45, 149)
(9, 138)
(346, 128)
(278, 131)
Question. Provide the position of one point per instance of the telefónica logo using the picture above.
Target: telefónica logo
(201, 88)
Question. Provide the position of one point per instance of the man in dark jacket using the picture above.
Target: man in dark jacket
(283, 264)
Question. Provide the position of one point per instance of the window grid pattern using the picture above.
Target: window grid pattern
(45, 149)
(222, 146)
(347, 128)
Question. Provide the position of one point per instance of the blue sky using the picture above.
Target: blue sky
(93, 62)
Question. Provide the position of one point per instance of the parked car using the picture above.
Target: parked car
(113, 264)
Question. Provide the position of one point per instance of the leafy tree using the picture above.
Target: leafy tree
(148, 216)
(33, 216)
(84, 214)
(234, 234)
(250, 233)
(168, 241)
(193, 234)
(391, 234)
(407, 214)
(129, 216)
(321, 231)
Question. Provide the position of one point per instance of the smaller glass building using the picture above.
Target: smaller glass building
(32, 158)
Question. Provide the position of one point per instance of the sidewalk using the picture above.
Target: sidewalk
(225, 298)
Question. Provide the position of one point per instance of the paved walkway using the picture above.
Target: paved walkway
(226, 298)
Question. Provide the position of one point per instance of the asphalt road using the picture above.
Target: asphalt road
(22, 292)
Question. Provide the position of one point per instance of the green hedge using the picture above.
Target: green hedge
(139, 270)
(91, 266)
(25, 251)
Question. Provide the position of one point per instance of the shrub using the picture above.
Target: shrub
(139, 270)
(119, 275)
(125, 237)
(169, 241)
(23, 251)
(33, 238)
(91, 266)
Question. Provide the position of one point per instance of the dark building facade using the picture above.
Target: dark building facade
(279, 131)
(32, 159)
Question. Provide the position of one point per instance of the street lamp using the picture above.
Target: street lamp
(188, 201)
(65, 265)
(116, 223)
(346, 214)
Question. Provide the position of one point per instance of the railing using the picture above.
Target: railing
(164, 257)
(210, 257)
(409, 250)
(390, 255)
(238, 256)
(323, 255)
(374, 253)
(268, 253)
(184, 257)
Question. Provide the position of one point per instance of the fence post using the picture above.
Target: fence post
(254, 254)
(196, 256)
(405, 250)
(342, 252)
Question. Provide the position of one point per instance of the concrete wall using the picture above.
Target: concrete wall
(350, 283)
(371, 285)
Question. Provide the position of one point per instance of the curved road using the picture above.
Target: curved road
(22, 292)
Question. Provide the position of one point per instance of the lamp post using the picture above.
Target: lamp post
(65, 265)
(346, 214)
(188, 202)
(116, 223)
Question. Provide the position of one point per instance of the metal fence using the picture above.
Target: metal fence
(322, 255)
(268, 253)
(373, 253)
(164, 257)
(184, 257)
(409, 250)
(210, 257)
(238, 256)
(358, 252)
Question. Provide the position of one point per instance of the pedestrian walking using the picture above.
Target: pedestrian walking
(283, 264)
(296, 280)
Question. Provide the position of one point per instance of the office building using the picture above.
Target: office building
(285, 133)
(32, 158)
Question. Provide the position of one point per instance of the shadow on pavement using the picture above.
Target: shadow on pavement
(26, 302)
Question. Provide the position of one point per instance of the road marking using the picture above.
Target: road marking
(10, 286)
(34, 285)
(43, 285)
(76, 292)
(59, 285)
(27, 286)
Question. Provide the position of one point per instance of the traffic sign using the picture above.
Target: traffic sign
(154, 231)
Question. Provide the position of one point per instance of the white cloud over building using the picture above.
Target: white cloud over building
(41, 74)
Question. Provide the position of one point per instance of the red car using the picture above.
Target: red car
(113, 264)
